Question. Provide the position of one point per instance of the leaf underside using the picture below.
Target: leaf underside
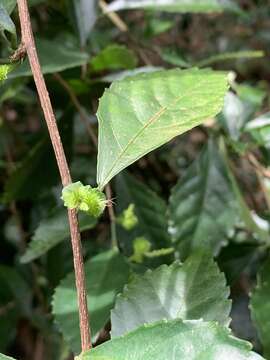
(138, 114)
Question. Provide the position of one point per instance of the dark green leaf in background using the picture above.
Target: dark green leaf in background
(260, 307)
(86, 14)
(202, 205)
(149, 208)
(114, 57)
(54, 57)
(106, 275)
(6, 24)
(52, 231)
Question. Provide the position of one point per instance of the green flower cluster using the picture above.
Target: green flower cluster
(84, 198)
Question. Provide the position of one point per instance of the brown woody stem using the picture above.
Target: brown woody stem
(29, 44)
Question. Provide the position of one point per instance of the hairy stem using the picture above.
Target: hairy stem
(29, 44)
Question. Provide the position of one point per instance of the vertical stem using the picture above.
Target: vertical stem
(29, 43)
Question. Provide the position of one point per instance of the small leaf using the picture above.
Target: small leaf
(193, 290)
(114, 57)
(158, 107)
(234, 115)
(259, 128)
(260, 307)
(9, 5)
(6, 24)
(106, 275)
(202, 205)
(182, 6)
(86, 14)
(176, 339)
(54, 57)
(52, 231)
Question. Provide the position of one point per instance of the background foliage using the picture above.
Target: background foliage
(204, 195)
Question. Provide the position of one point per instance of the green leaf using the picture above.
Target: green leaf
(234, 115)
(52, 231)
(176, 339)
(202, 205)
(6, 24)
(149, 208)
(260, 129)
(158, 106)
(245, 213)
(193, 290)
(114, 57)
(182, 6)
(106, 275)
(9, 5)
(85, 13)
(260, 307)
(4, 357)
(54, 57)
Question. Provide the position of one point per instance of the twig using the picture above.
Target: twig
(29, 43)
(78, 106)
(118, 22)
(108, 191)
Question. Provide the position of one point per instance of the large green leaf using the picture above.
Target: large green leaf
(52, 231)
(196, 6)
(193, 290)
(202, 204)
(149, 208)
(176, 339)
(140, 113)
(54, 57)
(106, 275)
(260, 307)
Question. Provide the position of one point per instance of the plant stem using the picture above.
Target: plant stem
(29, 43)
